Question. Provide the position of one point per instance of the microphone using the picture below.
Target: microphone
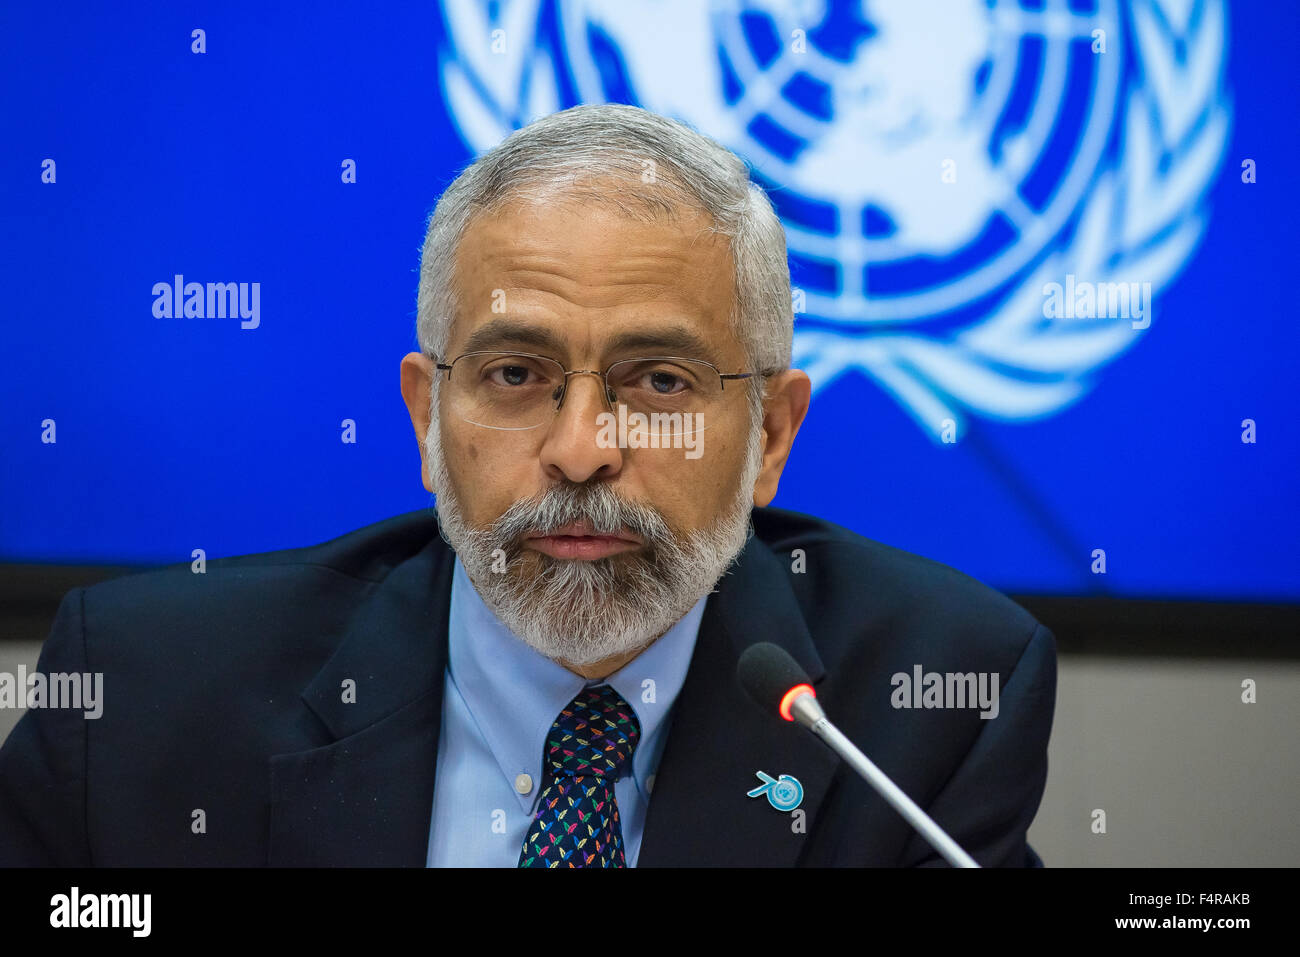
(775, 682)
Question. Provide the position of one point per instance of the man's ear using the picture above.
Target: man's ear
(417, 384)
(788, 396)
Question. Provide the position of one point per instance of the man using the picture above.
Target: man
(544, 673)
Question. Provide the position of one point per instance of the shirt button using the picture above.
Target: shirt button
(523, 783)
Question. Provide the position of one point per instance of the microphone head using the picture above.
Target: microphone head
(768, 674)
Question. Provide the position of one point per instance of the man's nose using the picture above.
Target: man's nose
(572, 449)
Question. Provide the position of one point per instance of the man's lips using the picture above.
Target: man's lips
(578, 540)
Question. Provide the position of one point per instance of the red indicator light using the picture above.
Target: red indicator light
(788, 699)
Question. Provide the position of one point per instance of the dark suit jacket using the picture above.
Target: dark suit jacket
(222, 692)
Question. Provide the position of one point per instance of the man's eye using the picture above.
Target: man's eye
(663, 383)
(510, 375)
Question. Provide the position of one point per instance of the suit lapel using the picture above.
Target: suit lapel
(699, 811)
(366, 797)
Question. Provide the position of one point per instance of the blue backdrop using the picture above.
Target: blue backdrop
(226, 165)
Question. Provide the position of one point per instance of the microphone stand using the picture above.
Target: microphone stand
(807, 712)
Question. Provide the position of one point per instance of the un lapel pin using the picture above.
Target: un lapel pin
(784, 793)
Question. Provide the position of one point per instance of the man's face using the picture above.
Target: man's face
(587, 287)
(586, 278)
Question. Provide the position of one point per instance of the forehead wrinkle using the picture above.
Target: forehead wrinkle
(550, 273)
(550, 298)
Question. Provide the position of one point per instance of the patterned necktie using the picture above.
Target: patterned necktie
(589, 746)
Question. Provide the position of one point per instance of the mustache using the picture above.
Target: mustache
(597, 504)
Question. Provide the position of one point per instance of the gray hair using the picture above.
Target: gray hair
(658, 167)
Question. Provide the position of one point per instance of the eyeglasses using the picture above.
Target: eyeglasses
(517, 391)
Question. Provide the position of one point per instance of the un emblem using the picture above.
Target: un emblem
(785, 793)
(980, 197)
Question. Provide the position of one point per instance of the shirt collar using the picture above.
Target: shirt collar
(513, 692)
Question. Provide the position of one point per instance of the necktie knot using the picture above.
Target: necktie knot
(595, 734)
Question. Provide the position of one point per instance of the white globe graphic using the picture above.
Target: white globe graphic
(934, 163)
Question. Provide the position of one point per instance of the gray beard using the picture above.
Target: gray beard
(581, 612)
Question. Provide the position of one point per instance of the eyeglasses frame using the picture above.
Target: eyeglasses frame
(562, 390)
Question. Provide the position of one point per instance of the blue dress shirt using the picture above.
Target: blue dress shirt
(500, 698)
